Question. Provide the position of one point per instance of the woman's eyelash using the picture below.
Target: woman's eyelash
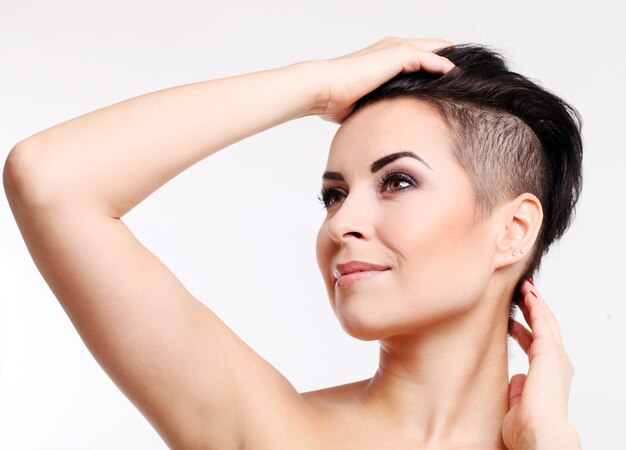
(327, 192)
(325, 195)
(389, 176)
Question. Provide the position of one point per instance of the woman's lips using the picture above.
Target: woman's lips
(355, 277)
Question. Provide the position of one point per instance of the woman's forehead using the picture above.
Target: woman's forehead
(391, 126)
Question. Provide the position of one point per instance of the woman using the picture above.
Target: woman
(417, 251)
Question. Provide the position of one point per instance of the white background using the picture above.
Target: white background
(247, 216)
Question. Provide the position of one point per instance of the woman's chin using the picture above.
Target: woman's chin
(365, 327)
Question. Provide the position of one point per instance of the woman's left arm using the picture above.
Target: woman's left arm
(537, 417)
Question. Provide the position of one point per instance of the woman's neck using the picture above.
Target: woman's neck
(446, 386)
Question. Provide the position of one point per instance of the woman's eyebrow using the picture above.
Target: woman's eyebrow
(378, 164)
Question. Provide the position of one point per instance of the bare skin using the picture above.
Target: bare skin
(70, 185)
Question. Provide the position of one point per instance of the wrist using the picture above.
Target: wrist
(310, 74)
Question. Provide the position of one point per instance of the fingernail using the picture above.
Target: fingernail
(530, 281)
(534, 294)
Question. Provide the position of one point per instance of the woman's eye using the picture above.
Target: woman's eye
(397, 181)
(327, 195)
(394, 181)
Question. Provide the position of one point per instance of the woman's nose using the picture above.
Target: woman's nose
(351, 220)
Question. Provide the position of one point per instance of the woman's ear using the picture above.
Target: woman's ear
(518, 225)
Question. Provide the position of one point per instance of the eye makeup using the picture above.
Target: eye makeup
(328, 193)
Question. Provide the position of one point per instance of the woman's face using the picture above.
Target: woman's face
(419, 223)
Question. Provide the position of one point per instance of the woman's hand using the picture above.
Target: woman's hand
(351, 76)
(537, 417)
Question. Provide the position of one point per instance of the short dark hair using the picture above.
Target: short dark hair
(510, 135)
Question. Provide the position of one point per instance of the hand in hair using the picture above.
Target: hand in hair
(351, 76)
(537, 416)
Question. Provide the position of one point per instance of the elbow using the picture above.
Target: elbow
(24, 176)
(15, 172)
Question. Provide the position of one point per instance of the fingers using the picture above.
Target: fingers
(417, 54)
(516, 387)
(419, 59)
(431, 61)
(542, 320)
(424, 58)
(538, 316)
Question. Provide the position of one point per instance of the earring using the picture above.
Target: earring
(515, 253)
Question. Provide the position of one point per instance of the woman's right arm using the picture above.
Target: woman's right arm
(197, 383)
(112, 158)
(194, 380)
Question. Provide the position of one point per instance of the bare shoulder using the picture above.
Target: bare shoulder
(329, 418)
(307, 424)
